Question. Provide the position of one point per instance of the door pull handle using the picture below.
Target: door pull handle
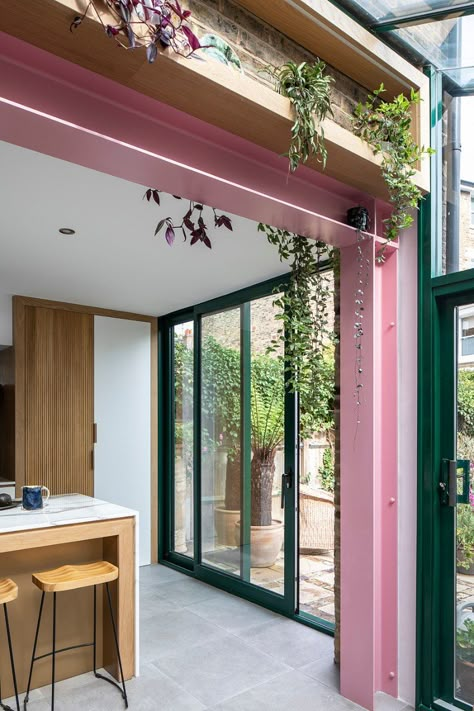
(286, 483)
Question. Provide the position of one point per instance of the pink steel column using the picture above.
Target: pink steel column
(369, 482)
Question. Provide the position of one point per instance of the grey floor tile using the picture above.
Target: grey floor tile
(157, 574)
(324, 670)
(154, 690)
(35, 704)
(203, 648)
(187, 592)
(385, 702)
(176, 632)
(232, 613)
(152, 605)
(150, 691)
(220, 669)
(290, 642)
(290, 691)
(35, 696)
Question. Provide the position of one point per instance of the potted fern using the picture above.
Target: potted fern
(267, 433)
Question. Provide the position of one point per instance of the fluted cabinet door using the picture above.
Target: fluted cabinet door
(58, 399)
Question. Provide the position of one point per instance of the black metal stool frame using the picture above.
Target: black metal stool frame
(93, 644)
(12, 664)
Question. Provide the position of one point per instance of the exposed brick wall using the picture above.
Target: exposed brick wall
(258, 45)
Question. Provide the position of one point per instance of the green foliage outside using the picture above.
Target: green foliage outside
(326, 471)
(267, 403)
(220, 401)
(465, 535)
(465, 641)
(465, 512)
(466, 402)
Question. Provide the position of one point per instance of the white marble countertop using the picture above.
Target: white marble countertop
(61, 511)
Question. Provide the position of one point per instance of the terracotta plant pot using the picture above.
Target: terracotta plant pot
(224, 522)
(465, 674)
(265, 543)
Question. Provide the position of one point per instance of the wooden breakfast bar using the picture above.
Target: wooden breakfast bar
(70, 529)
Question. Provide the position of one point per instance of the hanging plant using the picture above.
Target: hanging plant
(192, 224)
(306, 331)
(154, 24)
(385, 127)
(308, 89)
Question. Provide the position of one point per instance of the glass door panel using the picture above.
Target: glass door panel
(464, 514)
(183, 464)
(220, 440)
(243, 446)
(267, 414)
(316, 488)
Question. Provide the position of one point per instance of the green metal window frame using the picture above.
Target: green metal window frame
(283, 605)
(437, 297)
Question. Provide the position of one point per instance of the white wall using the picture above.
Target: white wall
(6, 336)
(122, 371)
(407, 464)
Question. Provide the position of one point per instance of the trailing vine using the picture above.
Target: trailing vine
(306, 330)
(155, 24)
(192, 224)
(358, 217)
(308, 89)
(385, 127)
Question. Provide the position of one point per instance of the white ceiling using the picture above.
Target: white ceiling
(113, 261)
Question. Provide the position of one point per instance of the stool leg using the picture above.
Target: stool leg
(124, 693)
(12, 662)
(94, 645)
(53, 664)
(25, 700)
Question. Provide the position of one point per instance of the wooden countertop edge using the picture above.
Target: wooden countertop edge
(67, 533)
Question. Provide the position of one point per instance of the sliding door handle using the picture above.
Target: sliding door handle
(286, 483)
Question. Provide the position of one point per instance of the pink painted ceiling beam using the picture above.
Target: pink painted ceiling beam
(74, 114)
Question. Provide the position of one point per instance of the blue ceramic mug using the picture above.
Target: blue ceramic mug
(33, 497)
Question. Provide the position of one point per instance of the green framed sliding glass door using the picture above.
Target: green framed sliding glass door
(231, 456)
(230, 449)
(447, 679)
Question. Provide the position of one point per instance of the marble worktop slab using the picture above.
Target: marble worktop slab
(62, 511)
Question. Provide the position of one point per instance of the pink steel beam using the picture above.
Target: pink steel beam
(66, 108)
(369, 536)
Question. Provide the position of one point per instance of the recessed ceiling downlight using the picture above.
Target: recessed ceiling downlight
(67, 231)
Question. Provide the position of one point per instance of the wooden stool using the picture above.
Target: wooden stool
(72, 577)
(9, 592)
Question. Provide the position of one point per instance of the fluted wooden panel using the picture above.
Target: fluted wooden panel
(59, 411)
(7, 415)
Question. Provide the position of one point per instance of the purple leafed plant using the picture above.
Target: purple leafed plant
(154, 24)
(192, 225)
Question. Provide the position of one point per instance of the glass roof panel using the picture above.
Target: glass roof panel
(445, 44)
(382, 10)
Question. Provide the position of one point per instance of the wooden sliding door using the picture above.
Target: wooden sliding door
(54, 370)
